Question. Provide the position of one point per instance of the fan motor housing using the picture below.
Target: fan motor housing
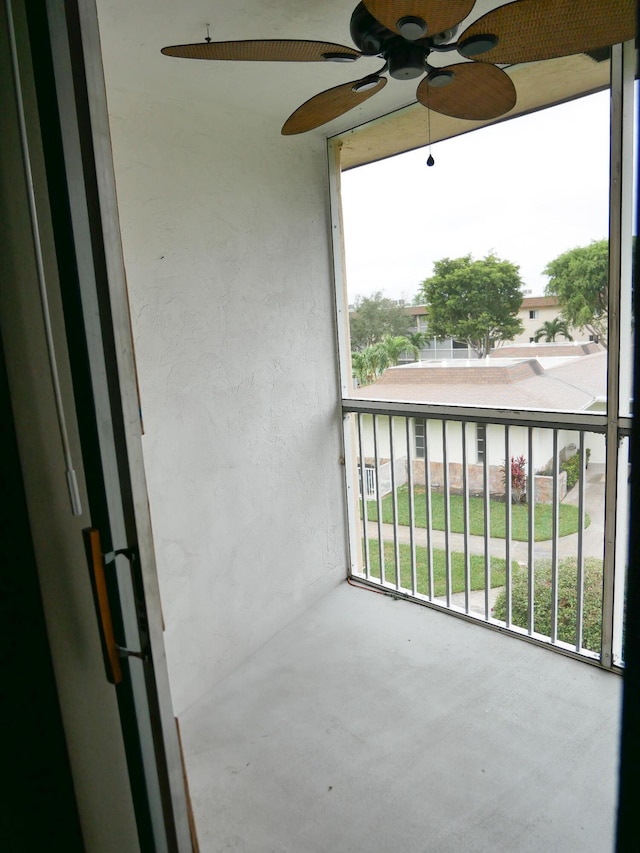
(406, 58)
(368, 34)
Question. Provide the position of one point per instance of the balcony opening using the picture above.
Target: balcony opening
(508, 468)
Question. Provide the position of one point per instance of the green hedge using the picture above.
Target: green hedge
(572, 467)
(567, 601)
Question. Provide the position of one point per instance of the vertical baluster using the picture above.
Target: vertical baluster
(428, 508)
(445, 483)
(554, 541)
(531, 497)
(363, 499)
(580, 554)
(465, 508)
(376, 456)
(394, 502)
(412, 514)
(487, 528)
(508, 500)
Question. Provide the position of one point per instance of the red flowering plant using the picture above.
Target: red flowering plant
(518, 479)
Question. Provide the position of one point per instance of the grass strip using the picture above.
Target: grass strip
(543, 515)
(439, 568)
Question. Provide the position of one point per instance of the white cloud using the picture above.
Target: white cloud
(528, 189)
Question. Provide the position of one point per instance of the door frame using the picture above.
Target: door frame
(79, 348)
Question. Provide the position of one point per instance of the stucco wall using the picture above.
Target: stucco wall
(225, 238)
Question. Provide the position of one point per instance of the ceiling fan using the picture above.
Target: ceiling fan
(404, 33)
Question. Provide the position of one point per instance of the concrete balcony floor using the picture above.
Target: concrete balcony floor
(373, 725)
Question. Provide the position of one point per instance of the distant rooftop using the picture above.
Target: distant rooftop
(528, 302)
(539, 302)
(562, 384)
(478, 370)
(563, 349)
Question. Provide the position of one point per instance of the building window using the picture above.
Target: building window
(369, 481)
(533, 314)
(420, 430)
(481, 441)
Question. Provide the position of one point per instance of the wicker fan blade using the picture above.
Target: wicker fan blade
(532, 30)
(329, 105)
(437, 15)
(269, 50)
(476, 92)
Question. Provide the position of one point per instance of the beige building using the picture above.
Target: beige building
(534, 312)
(537, 310)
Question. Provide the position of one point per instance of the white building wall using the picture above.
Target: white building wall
(495, 442)
(225, 240)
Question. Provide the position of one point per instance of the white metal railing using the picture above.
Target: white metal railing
(522, 550)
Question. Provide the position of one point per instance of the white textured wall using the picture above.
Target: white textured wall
(226, 247)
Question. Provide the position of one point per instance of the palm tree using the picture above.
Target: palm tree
(420, 340)
(395, 345)
(551, 328)
(380, 358)
(369, 363)
(359, 367)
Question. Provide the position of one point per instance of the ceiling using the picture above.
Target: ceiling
(538, 84)
(133, 34)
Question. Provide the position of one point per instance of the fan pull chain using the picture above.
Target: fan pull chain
(208, 38)
(430, 160)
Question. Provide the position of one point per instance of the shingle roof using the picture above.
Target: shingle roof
(571, 385)
(566, 350)
(539, 302)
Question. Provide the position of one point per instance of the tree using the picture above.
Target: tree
(580, 280)
(360, 366)
(374, 317)
(474, 301)
(369, 363)
(550, 329)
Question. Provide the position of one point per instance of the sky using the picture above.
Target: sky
(526, 189)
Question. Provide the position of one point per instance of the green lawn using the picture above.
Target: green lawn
(519, 515)
(439, 569)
